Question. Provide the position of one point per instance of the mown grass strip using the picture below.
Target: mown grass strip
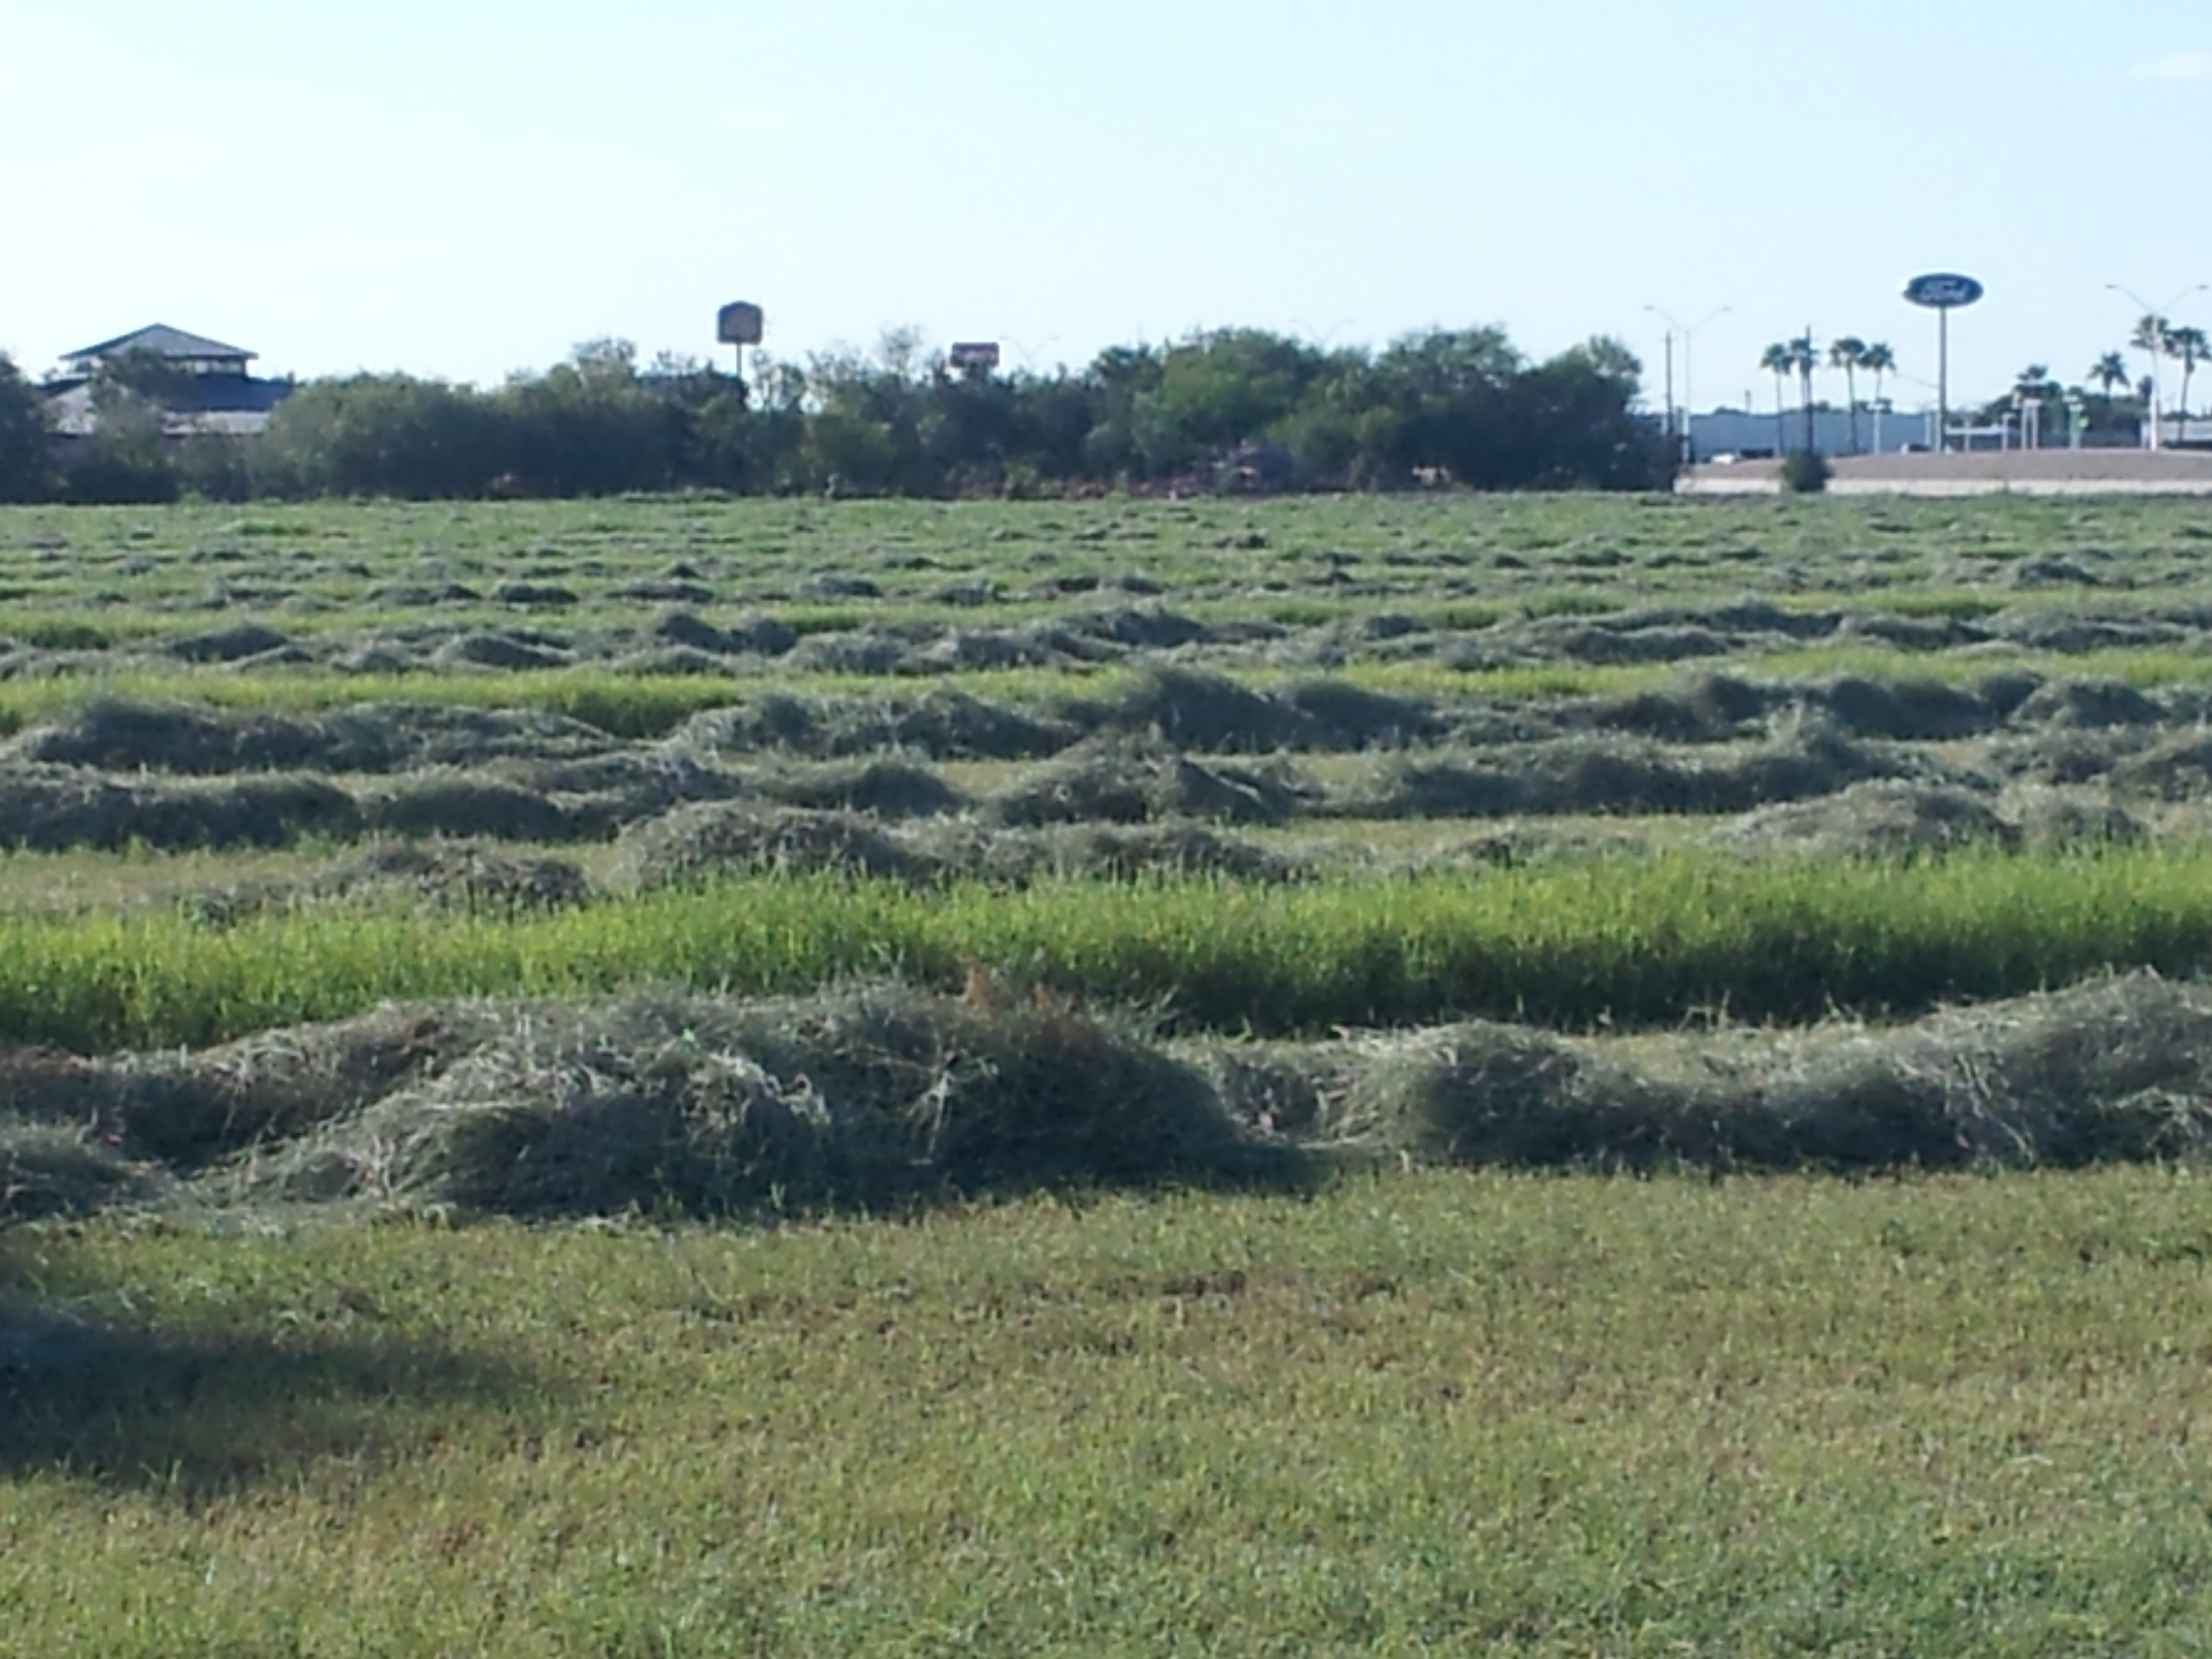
(1443, 1415)
(1629, 944)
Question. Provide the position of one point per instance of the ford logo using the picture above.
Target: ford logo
(1942, 289)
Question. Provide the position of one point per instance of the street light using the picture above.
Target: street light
(2155, 316)
(1689, 450)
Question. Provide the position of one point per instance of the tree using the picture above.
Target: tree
(1805, 357)
(1878, 360)
(2189, 347)
(26, 448)
(2109, 371)
(1848, 354)
(1779, 360)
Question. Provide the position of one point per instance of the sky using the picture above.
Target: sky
(469, 188)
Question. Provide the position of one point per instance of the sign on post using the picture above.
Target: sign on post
(1942, 292)
(738, 324)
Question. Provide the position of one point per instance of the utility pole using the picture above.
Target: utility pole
(1689, 425)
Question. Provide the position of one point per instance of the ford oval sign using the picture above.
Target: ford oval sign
(1941, 290)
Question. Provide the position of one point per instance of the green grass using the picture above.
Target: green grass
(1419, 1415)
(1630, 943)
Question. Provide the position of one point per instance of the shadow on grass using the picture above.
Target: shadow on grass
(189, 1413)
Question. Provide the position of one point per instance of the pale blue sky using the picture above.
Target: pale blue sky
(471, 187)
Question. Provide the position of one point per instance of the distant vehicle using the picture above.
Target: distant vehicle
(1912, 449)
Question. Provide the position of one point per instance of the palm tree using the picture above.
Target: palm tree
(2191, 348)
(2109, 371)
(1878, 360)
(1778, 359)
(1805, 357)
(1848, 354)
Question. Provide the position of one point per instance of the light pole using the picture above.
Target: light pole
(2155, 317)
(1689, 454)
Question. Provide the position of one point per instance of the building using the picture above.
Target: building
(1756, 436)
(200, 385)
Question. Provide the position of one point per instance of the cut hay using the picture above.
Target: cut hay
(2083, 705)
(717, 838)
(1884, 819)
(1193, 710)
(53, 809)
(52, 1170)
(887, 787)
(2114, 1069)
(1598, 775)
(1121, 782)
(711, 1109)
(118, 736)
(500, 652)
(461, 806)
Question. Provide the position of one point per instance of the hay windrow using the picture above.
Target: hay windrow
(1124, 782)
(712, 1106)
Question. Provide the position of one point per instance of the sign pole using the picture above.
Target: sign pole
(1940, 291)
(1942, 379)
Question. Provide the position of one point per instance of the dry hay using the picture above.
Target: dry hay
(121, 736)
(53, 808)
(2051, 819)
(941, 725)
(1701, 707)
(864, 651)
(498, 651)
(438, 876)
(729, 837)
(2069, 634)
(713, 838)
(2082, 705)
(48, 1170)
(458, 876)
(1191, 709)
(2117, 1068)
(888, 787)
(466, 806)
(1135, 782)
(188, 1109)
(757, 636)
(1905, 711)
(2178, 768)
(1600, 776)
(1142, 627)
(1337, 715)
(227, 645)
(1885, 820)
(715, 1108)
(116, 735)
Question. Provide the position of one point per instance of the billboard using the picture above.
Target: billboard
(738, 324)
(974, 354)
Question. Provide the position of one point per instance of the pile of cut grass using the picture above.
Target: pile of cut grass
(667, 1103)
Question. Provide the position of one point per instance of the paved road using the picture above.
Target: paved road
(2023, 472)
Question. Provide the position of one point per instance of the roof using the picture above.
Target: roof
(163, 342)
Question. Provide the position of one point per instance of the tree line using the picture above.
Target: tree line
(1236, 409)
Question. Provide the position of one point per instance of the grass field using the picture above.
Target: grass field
(1537, 1075)
(1417, 1415)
